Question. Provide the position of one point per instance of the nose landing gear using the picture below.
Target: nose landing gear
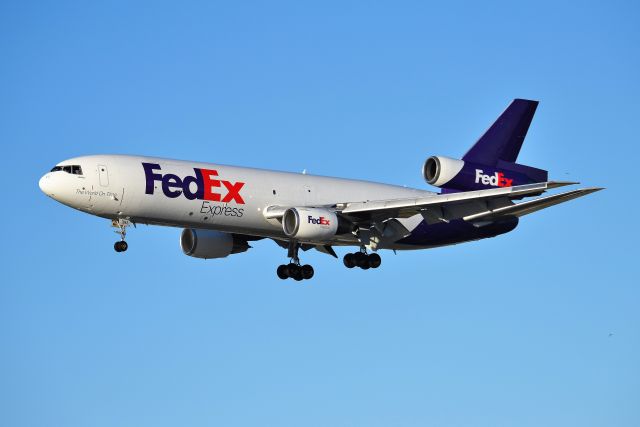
(362, 259)
(294, 270)
(121, 224)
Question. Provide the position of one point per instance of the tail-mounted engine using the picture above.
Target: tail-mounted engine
(491, 161)
(459, 175)
(209, 244)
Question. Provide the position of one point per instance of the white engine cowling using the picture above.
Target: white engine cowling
(209, 244)
(311, 224)
(438, 170)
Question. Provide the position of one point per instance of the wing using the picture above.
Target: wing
(390, 220)
(531, 206)
(469, 205)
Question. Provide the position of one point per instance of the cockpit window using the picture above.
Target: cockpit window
(72, 169)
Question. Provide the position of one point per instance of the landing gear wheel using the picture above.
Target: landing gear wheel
(282, 272)
(362, 260)
(121, 224)
(307, 271)
(291, 269)
(298, 276)
(374, 260)
(349, 261)
(294, 270)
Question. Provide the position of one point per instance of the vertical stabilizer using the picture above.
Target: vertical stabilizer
(503, 140)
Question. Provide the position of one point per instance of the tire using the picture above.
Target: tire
(374, 260)
(298, 276)
(295, 272)
(307, 271)
(124, 246)
(282, 272)
(362, 260)
(349, 261)
(291, 269)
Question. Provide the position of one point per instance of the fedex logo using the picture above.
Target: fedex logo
(206, 183)
(318, 221)
(496, 180)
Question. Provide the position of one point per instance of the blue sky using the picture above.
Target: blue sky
(508, 331)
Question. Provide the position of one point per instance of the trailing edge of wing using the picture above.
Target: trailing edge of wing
(409, 207)
(531, 206)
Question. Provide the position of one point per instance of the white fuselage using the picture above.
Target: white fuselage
(224, 198)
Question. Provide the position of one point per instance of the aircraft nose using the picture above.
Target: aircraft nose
(45, 185)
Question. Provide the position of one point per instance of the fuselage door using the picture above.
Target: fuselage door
(103, 173)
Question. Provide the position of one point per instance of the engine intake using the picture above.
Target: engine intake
(438, 170)
(208, 244)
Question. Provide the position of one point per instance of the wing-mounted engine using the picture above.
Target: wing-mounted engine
(313, 224)
(209, 244)
(460, 175)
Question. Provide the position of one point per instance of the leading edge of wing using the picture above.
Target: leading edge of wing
(416, 204)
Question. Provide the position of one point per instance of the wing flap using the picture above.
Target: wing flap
(531, 206)
(404, 208)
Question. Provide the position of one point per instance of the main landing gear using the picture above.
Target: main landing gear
(363, 260)
(294, 270)
(121, 224)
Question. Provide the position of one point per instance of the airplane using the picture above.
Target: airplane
(221, 209)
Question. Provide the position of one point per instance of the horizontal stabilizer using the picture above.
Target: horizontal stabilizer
(526, 208)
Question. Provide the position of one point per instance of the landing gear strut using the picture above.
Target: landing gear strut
(121, 224)
(362, 259)
(294, 270)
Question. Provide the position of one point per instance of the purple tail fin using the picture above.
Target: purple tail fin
(491, 162)
(503, 140)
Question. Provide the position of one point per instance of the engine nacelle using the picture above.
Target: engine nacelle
(438, 170)
(209, 244)
(313, 224)
(459, 175)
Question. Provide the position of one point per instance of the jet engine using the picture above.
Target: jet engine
(313, 224)
(462, 175)
(438, 170)
(208, 244)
